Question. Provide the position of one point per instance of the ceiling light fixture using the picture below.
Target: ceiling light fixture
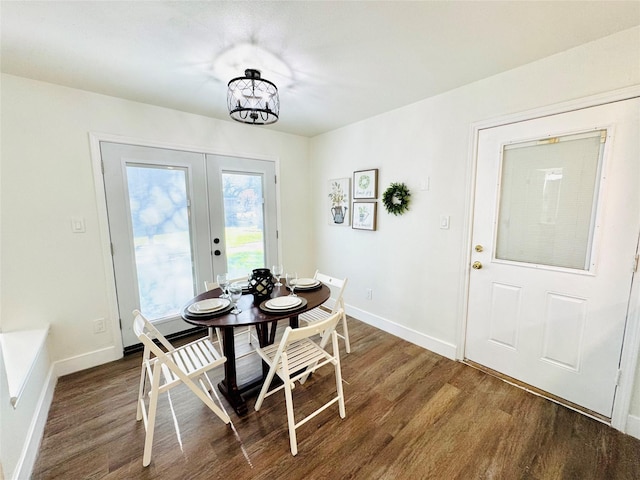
(252, 99)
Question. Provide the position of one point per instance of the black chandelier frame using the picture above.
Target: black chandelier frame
(252, 99)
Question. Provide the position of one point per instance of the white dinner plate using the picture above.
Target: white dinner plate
(209, 305)
(282, 303)
(305, 282)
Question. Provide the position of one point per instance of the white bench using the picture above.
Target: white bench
(20, 350)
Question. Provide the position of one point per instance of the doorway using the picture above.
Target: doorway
(555, 227)
(176, 220)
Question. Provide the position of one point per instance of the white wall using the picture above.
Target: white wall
(410, 258)
(51, 275)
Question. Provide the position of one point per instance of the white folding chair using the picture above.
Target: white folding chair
(322, 312)
(297, 356)
(238, 331)
(164, 369)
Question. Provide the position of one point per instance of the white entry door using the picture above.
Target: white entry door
(555, 230)
(176, 220)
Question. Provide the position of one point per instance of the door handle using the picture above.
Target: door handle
(476, 265)
(217, 253)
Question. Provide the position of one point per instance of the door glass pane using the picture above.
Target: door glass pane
(244, 222)
(548, 194)
(162, 243)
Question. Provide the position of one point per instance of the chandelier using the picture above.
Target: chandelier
(252, 99)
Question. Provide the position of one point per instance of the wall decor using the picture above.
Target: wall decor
(339, 189)
(365, 183)
(396, 198)
(364, 215)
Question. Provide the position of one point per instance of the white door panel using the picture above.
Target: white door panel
(550, 308)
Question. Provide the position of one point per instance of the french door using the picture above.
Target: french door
(177, 219)
(555, 229)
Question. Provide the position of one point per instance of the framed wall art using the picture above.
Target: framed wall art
(364, 215)
(365, 184)
(338, 206)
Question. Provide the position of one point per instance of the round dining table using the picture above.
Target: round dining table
(253, 312)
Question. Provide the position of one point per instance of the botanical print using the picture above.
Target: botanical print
(339, 201)
(364, 215)
(365, 183)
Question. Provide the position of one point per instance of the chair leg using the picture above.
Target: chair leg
(143, 378)
(265, 389)
(336, 354)
(219, 337)
(204, 394)
(291, 418)
(151, 416)
(345, 332)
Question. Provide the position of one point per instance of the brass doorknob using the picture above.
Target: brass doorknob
(476, 265)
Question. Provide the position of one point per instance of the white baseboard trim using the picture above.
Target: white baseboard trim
(87, 360)
(633, 426)
(425, 341)
(24, 468)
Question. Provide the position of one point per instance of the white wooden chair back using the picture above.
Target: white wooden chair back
(338, 283)
(212, 285)
(319, 313)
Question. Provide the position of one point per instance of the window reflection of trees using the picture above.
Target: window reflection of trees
(244, 222)
(160, 223)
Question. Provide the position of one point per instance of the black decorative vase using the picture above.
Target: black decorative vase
(261, 283)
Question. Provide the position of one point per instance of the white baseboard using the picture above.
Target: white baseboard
(87, 360)
(633, 426)
(425, 341)
(27, 460)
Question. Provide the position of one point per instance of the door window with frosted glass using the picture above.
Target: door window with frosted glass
(548, 199)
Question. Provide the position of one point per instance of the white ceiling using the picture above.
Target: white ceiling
(350, 59)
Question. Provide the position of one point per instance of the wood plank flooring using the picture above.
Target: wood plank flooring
(411, 414)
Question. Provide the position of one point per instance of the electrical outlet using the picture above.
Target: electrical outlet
(99, 326)
(369, 294)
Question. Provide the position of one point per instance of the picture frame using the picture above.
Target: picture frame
(339, 201)
(365, 183)
(364, 215)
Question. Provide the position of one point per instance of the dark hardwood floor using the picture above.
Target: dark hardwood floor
(411, 414)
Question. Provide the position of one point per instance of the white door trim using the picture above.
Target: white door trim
(631, 341)
(103, 221)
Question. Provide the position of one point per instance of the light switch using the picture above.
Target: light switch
(424, 184)
(444, 222)
(77, 225)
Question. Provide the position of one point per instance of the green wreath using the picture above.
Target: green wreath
(396, 198)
